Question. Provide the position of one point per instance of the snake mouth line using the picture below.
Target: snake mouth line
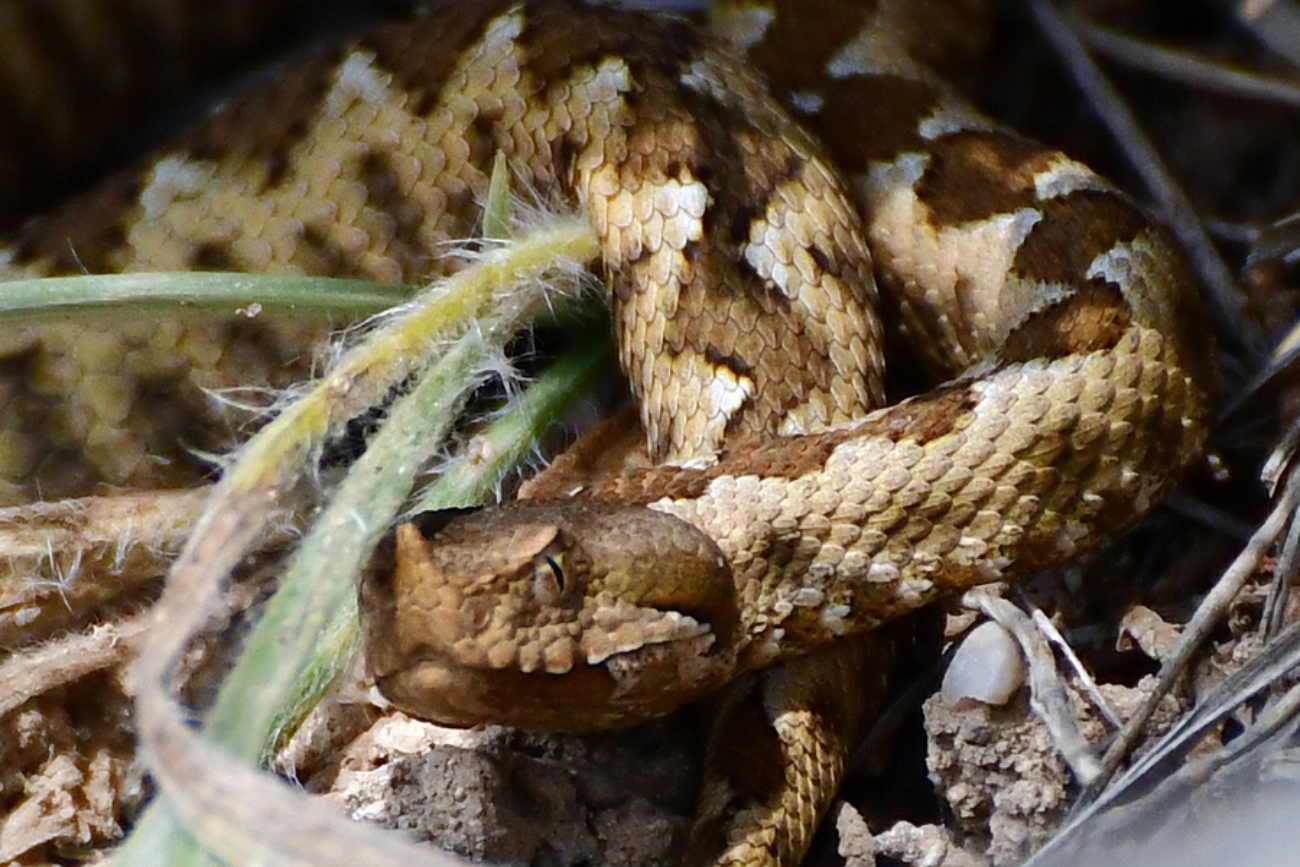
(623, 690)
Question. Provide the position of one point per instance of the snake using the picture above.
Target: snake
(768, 197)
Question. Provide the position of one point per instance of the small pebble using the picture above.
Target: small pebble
(987, 667)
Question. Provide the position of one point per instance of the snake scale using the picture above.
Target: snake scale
(751, 189)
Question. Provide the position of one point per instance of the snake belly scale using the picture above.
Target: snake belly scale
(745, 221)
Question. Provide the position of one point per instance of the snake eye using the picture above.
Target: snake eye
(548, 578)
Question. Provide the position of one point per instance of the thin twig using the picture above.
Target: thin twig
(1276, 23)
(1284, 570)
(67, 659)
(60, 561)
(1047, 695)
(1054, 636)
(1282, 362)
(1257, 675)
(1187, 68)
(1207, 617)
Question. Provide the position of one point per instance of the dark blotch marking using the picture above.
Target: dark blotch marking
(459, 202)
(384, 193)
(646, 486)
(869, 118)
(924, 419)
(482, 136)
(266, 121)
(732, 362)
(770, 298)
(976, 174)
(1093, 318)
(1074, 231)
(642, 255)
(559, 37)
(822, 261)
(564, 157)
(804, 36)
(920, 420)
(737, 418)
(421, 52)
(317, 254)
(738, 220)
(740, 184)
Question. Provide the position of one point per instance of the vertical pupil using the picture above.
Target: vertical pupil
(557, 571)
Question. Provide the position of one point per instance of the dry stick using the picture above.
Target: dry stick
(1207, 617)
(1086, 682)
(1284, 569)
(1258, 674)
(1174, 206)
(219, 800)
(66, 660)
(1224, 298)
(1284, 359)
(1187, 68)
(1047, 696)
(60, 561)
(63, 561)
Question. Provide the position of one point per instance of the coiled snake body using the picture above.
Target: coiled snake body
(789, 515)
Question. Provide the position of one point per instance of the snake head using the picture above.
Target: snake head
(556, 616)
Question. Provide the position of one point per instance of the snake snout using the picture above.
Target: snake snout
(572, 623)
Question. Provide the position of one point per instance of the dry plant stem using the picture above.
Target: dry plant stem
(1259, 674)
(1174, 206)
(67, 659)
(60, 561)
(1271, 720)
(1207, 617)
(1089, 686)
(220, 803)
(1047, 695)
(308, 630)
(1186, 68)
(1284, 570)
(1284, 358)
